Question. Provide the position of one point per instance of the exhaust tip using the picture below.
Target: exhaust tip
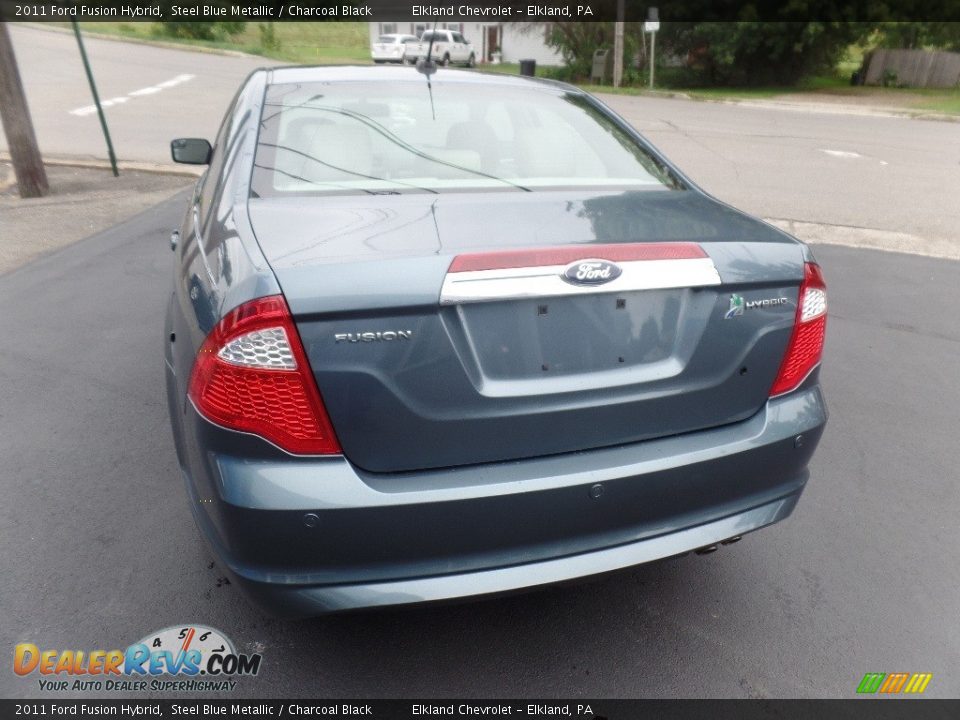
(731, 541)
(707, 550)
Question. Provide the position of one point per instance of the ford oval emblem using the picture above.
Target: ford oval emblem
(591, 272)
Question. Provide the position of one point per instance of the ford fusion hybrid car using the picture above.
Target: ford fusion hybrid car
(442, 335)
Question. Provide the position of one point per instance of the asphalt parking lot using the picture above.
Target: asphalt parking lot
(100, 547)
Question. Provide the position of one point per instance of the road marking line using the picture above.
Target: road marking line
(145, 91)
(151, 90)
(175, 81)
(841, 153)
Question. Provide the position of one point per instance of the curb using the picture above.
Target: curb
(867, 238)
(7, 178)
(166, 44)
(838, 109)
(811, 107)
(671, 94)
(611, 92)
(95, 164)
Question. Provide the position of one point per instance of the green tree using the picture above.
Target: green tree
(268, 36)
(918, 35)
(577, 41)
(200, 29)
(759, 52)
(748, 52)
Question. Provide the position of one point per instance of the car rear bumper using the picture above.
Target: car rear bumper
(306, 536)
(309, 600)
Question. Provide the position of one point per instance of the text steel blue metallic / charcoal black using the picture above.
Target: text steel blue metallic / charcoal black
(437, 334)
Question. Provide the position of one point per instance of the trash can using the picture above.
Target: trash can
(602, 66)
(528, 67)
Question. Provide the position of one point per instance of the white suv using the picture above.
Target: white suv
(393, 48)
(448, 47)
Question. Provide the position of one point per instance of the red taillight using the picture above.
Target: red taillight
(806, 342)
(536, 257)
(252, 375)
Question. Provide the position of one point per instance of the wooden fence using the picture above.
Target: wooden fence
(914, 68)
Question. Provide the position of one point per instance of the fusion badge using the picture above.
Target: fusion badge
(369, 337)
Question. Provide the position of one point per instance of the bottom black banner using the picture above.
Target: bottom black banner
(542, 709)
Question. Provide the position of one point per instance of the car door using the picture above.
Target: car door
(410, 44)
(467, 50)
(447, 46)
(204, 200)
(460, 51)
(442, 44)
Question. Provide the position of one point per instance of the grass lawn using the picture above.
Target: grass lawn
(325, 43)
(949, 104)
(504, 68)
(706, 93)
(825, 89)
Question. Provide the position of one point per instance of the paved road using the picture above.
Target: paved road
(874, 172)
(201, 85)
(100, 548)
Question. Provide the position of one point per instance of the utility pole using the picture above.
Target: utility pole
(618, 46)
(96, 98)
(651, 26)
(17, 125)
(653, 55)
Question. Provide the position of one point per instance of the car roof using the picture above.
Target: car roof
(379, 73)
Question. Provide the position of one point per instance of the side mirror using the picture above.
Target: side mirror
(191, 151)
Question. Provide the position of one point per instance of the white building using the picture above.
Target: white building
(515, 41)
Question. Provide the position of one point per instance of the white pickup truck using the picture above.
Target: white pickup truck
(448, 47)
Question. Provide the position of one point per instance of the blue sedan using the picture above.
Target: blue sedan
(436, 334)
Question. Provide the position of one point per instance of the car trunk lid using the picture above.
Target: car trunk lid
(460, 329)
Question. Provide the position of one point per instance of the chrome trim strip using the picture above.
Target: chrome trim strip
(547, 281)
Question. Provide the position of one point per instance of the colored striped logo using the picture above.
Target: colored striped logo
(894, 683)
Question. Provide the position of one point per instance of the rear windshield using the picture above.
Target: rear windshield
(388, 39)
(374, 138)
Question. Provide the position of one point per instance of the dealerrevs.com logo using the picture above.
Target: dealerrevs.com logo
(179, 658)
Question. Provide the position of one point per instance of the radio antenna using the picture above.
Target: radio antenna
(427, 67)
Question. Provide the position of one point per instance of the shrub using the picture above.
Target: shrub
(268, 37)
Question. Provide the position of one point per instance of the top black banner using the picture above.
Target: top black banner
(491, 11)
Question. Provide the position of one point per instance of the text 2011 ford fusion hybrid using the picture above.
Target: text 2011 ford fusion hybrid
(443, 335)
